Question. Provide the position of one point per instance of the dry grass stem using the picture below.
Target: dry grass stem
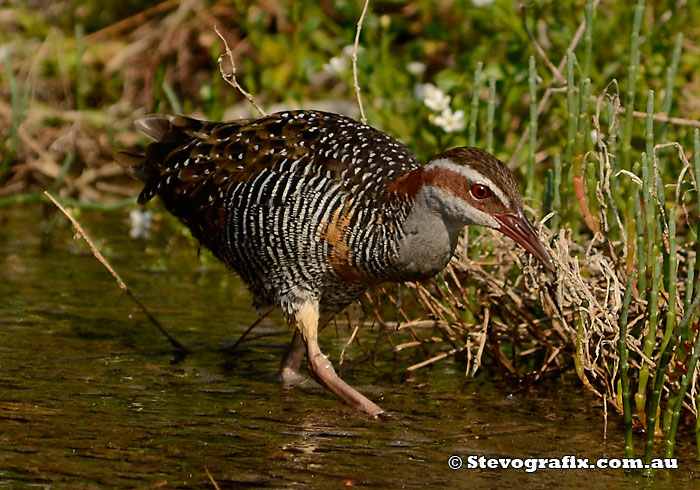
(352, 337)
(96, 253)
(131, 22)
(356, 46)
(211, 479)
(482, 343)
(230, 78)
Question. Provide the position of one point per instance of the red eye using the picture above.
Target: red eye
(480, 191)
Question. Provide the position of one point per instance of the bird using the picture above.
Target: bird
(311, 208)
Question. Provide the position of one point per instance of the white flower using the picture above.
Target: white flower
(435, 98)
(415, 68)
(450, 121)
(140, 222)
(483, 3)
(350, 49)
(336, 65)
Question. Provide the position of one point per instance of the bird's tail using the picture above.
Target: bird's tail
(169, 133)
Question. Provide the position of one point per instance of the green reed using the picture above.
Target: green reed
(474, 115)
(490, 112)
(532, 146)
(632, 83)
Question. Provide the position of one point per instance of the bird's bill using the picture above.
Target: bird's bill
(521, 231)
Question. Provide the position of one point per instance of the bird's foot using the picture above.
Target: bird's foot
(290, 377)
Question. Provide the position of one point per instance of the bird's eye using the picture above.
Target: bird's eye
(480, 191)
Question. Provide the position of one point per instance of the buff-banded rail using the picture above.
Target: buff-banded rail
(311, 208)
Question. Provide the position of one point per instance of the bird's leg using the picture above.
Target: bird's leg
(321, 368)
(289, 368)
(291, 363)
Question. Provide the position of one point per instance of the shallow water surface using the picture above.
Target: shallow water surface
(92, 396)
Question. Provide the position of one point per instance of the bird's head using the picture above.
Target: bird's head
(475, 188)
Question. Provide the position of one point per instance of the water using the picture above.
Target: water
(91, 395)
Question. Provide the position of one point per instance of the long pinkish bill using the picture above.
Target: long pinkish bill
(521, 231)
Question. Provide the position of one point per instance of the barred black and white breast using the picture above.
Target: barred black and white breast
(295, 202)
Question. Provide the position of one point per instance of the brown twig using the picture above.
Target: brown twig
(211, 478)
(356, 83)
(482, 342)
(135, 20)
(433, 360)
(538, 48)
(260, 318)
(96, 253)
(352, 337)
(680, 121)
(230, 78)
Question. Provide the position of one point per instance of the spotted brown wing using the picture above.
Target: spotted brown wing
(249, 171)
